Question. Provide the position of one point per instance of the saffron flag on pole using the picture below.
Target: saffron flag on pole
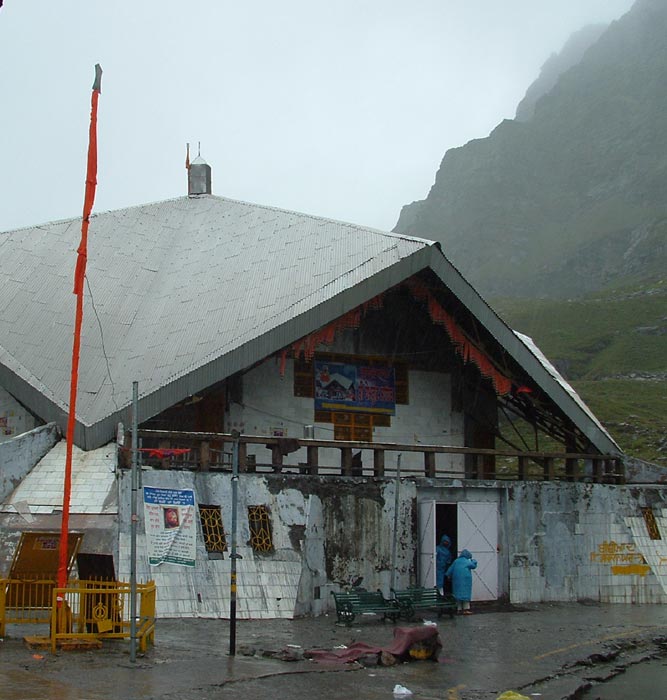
(79, 276)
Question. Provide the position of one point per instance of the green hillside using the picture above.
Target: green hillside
(612, 347)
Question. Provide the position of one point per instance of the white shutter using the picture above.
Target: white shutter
(427, 544)
(478, 532)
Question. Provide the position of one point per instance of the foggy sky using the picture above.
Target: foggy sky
(340, 109)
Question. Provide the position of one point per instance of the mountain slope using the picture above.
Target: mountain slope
(570, 200)
(557, 64)
(612, 347)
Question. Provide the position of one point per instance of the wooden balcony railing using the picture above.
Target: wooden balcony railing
(212, 452)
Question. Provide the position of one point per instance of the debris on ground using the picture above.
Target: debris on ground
(409, 644)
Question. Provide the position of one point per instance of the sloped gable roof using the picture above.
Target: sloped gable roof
(183, 293)
(175, 286)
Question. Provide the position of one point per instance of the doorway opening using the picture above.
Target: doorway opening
(446, 523)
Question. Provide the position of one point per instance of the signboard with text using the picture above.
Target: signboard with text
(341, 386)
(170, 526)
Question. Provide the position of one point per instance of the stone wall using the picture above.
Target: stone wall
(20, 454)
(569, 542)
(556, 541)
(323, 530)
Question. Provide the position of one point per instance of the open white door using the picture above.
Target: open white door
(427, 544)
(478, 532)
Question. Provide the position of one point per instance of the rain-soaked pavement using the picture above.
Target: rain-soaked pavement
(542, 651)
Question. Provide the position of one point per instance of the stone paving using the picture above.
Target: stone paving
(543, 651)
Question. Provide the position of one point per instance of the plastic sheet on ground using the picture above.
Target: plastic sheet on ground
(404, 638)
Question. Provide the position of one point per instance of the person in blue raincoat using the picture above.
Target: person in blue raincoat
(443, 558)
(461, 574)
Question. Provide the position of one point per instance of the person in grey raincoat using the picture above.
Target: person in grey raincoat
(443, 558)
(461, 574)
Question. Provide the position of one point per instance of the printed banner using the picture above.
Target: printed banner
(170, 526)
(349, 387)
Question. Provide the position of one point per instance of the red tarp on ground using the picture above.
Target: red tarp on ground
(404, 638)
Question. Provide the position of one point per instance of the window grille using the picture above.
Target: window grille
(261, 539)
(651, 524)
(212, 528)
(353, 426)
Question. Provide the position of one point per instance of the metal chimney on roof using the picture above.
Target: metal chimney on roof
(199, 176)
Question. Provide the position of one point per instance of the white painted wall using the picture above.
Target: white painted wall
(572, 542)
(269, 406)
(557, 542)
(283, 583)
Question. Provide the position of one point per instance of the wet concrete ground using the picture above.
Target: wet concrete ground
(545, 651)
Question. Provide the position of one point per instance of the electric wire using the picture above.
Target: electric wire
(104, 352)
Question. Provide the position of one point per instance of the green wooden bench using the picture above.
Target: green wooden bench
(349, 604)
(410, 600)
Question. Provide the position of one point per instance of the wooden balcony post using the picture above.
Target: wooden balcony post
(619, 471)
(243, 457)
(378, 463)
(204, 455)
(164, 445)
(521, 469)
(276, 458)
(429, 464)
(474, 466)
(598, 465)
(346, 461)
(313, 459)
(571, 465)
(610, 476)
(549, 468)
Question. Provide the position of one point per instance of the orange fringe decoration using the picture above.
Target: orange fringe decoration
(463, 346)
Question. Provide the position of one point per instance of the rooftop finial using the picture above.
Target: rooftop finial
(199, 173)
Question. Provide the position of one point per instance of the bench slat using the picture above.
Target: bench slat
(410, 600)
(349, 604)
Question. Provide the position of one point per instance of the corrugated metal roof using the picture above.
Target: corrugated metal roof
(529, 357)
(175, 286)
(575, 398)
(190, 290)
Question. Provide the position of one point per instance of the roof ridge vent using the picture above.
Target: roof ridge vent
(199, 174)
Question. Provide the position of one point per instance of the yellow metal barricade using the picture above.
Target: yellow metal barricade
(89, 610)
(84, 610)
(25, 602)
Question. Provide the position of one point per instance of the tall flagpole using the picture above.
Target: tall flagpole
(134, 519)
(79, 276)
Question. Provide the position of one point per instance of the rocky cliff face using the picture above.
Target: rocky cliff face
(557, 64)
(570, 197)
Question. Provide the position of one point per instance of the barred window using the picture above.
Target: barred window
(261, 539)
(212, 528)
(651, 524)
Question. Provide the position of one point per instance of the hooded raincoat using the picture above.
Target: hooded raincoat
(461, 574)
(443, 558)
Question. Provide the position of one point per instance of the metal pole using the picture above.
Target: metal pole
(133, 528)
(234, 556)
(394, 545)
